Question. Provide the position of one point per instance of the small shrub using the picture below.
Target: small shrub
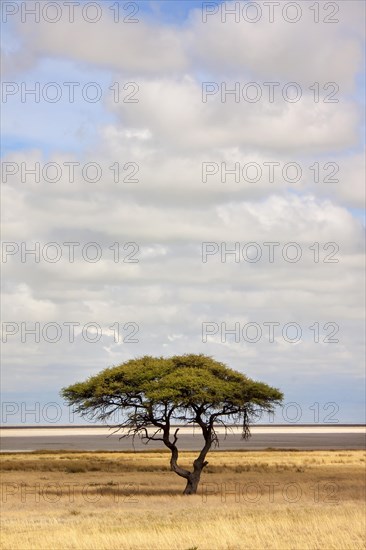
(75, 469)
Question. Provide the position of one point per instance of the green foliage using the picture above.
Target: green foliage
(181, 383)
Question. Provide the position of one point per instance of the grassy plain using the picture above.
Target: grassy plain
(295, 500)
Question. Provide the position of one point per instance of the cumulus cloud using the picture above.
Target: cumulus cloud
(303, 126)
(191, 171)
(303, 52)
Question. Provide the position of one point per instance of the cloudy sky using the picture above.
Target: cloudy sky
(159, 137)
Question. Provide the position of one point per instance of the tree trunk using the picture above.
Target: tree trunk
(194, 477)
(192, 484)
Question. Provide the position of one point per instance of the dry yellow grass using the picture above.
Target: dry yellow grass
(130, 501)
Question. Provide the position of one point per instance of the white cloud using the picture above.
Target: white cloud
(170, 210)
(302, 127)
(304, 52)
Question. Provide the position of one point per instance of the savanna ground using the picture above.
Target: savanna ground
(131, 501)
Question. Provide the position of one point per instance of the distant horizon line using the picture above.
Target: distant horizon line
(76, 426)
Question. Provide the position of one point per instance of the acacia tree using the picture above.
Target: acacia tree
(153, 393)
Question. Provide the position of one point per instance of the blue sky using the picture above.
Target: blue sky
(26, 125)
